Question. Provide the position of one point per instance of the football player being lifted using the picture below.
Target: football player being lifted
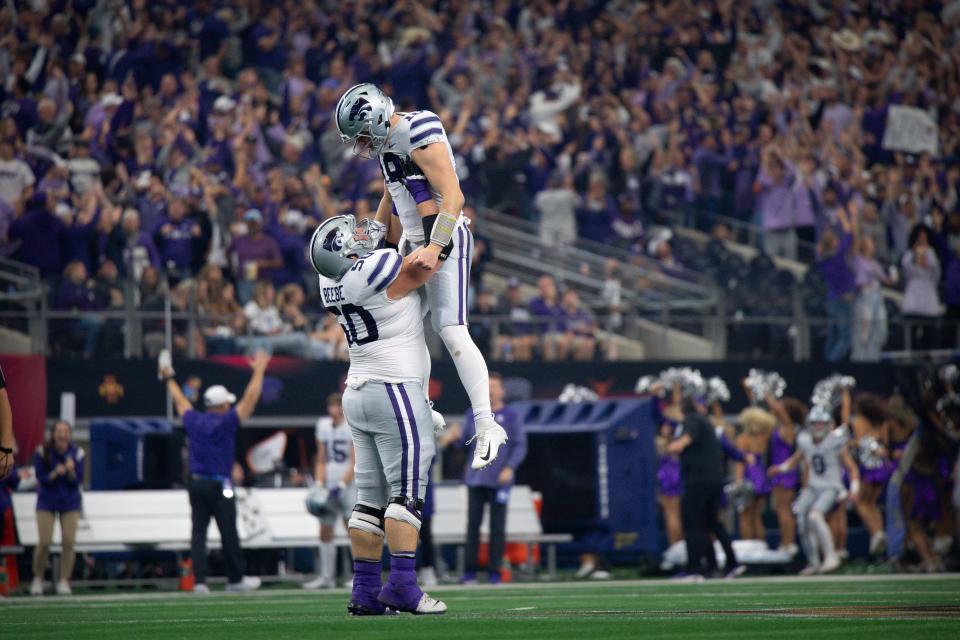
(373, 295)
(823, 451)
(418, 169)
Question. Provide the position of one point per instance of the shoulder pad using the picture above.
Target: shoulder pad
(324, 423)
(372, 274)
(425, 128)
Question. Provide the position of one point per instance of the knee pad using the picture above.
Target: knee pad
(366, 517)
(404, 510)
(816, 516)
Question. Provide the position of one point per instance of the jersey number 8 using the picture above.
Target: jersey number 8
(819, 466)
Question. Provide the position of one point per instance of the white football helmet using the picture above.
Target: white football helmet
(321, 503)
(819, 421)
(335, 242)
(363, 117)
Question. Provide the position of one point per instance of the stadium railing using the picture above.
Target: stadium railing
(719, 335)
(660, 307)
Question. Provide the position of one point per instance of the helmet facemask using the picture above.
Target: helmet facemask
(367, 145)
(820, 430)
(365, 238)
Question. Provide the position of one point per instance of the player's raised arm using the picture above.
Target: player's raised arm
(853, 472)
(434, 161)
(251, 395)
(180, 402)
(385, 217)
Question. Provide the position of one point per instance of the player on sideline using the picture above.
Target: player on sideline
(333, 470)
(823, 450)
(385, 405)
(419, 169)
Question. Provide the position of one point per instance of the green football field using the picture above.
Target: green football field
(875, 607)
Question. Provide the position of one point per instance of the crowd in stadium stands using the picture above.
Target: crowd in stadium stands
(194, 142)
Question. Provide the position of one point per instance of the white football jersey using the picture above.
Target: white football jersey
(404, 179)
(337, 443)
(385, 336)
(823, 458)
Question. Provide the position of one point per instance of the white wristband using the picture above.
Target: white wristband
(855, 486)
(783, 467)
(443, 228)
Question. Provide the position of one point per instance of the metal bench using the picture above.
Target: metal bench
(126, 521)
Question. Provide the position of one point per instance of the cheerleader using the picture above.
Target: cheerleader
(757, 426)
(791, 415)
(669, 484)
(871, 449)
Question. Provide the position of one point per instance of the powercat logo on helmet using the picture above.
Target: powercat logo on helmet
(333, 241)
(361, 109)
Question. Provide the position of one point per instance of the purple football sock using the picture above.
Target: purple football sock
(403, 571)
(366, 580)
(402, 591)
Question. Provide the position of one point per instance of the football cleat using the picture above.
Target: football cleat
(878, 543)
(809, 570)
(488, 446)
(410, 599)
(360, 609)
(735, 572)
(429, 606)
(246, 583)
(831, 563)
(690, 578)
(321, 582)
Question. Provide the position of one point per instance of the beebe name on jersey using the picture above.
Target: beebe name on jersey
(333, 295)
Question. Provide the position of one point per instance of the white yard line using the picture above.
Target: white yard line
(714, 587)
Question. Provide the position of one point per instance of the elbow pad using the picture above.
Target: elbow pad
(438, 229)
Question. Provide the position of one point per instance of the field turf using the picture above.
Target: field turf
(865, 607)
